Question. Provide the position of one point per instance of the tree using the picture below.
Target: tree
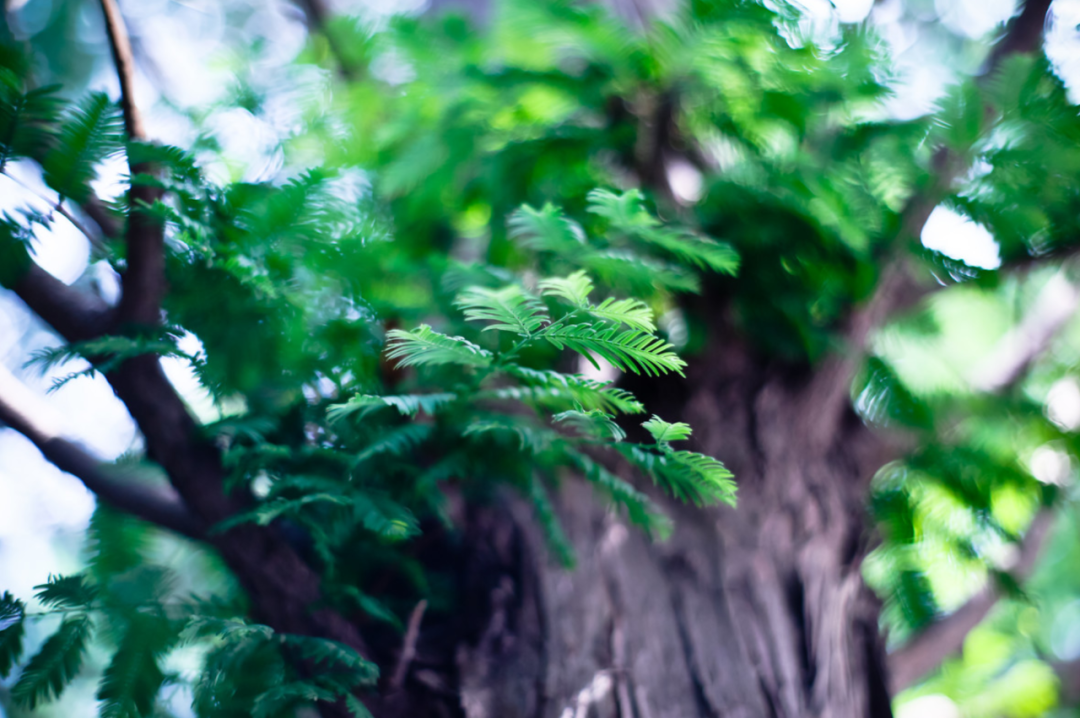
(407, 462)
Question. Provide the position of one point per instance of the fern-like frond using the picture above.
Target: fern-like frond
(266, 513)
(595, 423)
(384, 517)
(26, 121)
(510, 308)
(664, 432)
(406, 404)
(624, 210)
(634, 313)
(686, 475)
(424, 346)
(131, 681)
(278, 699)
(396, 441)
(627, 214)
(575, 288)
(529, 438)
(629, 350)
(334, 656)
(12, 629)
(624, 268)
(546, 230)
(55, 665)
(227, 628)
(550, 524)
(89, 133)
(589, 393)
(640, 509)
(74, 591)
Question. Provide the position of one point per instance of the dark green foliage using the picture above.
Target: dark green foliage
(12, 629)
(88, 133)
(55, 664)
(398, 329)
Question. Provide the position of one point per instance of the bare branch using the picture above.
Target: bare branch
(1055, 306)
(24, 412)
(408, 647)
(125, 68)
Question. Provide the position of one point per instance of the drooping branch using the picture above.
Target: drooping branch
(24, 412)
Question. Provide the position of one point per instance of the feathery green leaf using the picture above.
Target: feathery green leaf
(510, 308)
(55, 665)
(629, 350)
(424, 346)
(12, 629)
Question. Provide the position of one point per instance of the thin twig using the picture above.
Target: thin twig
(408, 646)
(58, 207)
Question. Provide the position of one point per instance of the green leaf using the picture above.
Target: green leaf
(277, 699)
(626, 213)
(589, 393)
(664, 432)
(546, 230)
(90, 132)
(640, 509)
(131, 681)
(629, 350)
(424, 346)
(66, 592)
(334, 655)
(373, 607)
(549, 523)
(634, 313)
(406, 404)
(594, 423)
(227, 628)
(686, 475)
(510, 308)
(12, 629)
(396, 442)
(574, 289)
(55, 665)
(26, 121)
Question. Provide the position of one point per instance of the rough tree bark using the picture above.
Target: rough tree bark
(752, 612)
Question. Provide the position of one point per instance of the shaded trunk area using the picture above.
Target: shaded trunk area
(758, 611)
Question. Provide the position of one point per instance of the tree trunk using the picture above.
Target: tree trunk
(758, 611)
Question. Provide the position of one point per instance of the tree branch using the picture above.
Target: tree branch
(24, 412)
(318, 18)
(827, 397)
(120, 44)
(144, 278)
(76, 316)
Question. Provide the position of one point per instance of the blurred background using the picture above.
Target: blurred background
(221, 76)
